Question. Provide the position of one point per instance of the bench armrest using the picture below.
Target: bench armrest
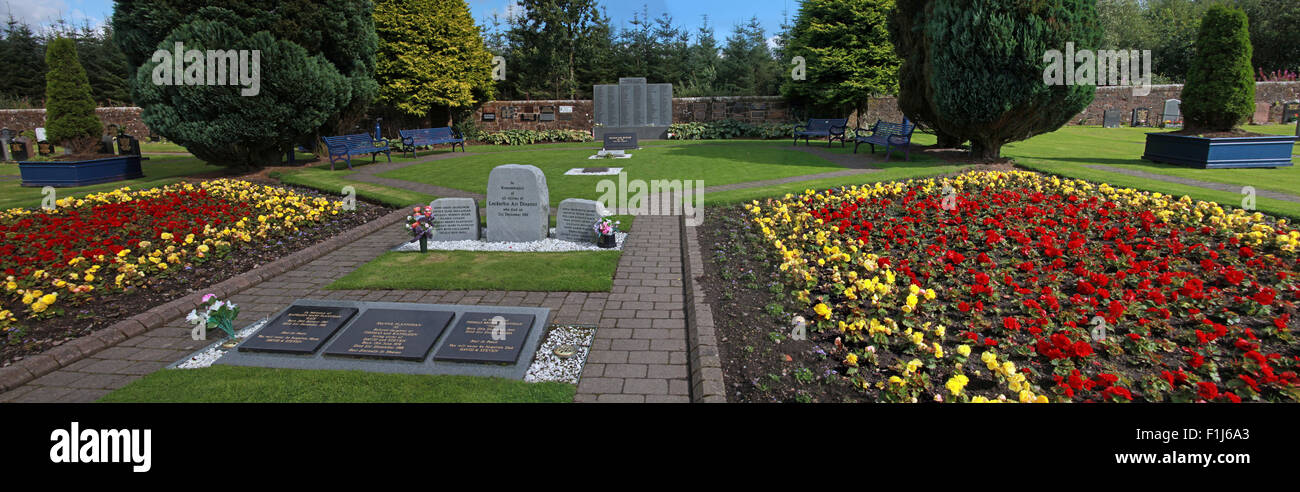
(899, 139)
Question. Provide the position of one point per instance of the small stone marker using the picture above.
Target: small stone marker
(1141, 117)
(1261, 114)
(574, 218)
(473, 339)
(18, 150)
(128, 145)
(1290, 111)
(1110, 118)
(518, 204)
(455, 219)
(300, 330)
(1172, 114)
(392, 334)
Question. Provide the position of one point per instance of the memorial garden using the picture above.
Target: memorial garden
(902, 224)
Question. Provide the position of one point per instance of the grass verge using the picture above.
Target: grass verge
(573, 271)
(227, 384)
(334, 181)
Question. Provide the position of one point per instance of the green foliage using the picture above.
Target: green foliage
(556, 48)
(430, 54)
(23, 55)
(983, 65)
(316, 60)
(1220, 90)
(1273, 33)
(527, 137)
(848, 53)
(70, 118)
(910, 46)
(747, 66)
(728, 129)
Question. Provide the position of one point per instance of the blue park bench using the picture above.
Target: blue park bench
(831, 128)
(343, 147)
(889, 134)
(430, 136)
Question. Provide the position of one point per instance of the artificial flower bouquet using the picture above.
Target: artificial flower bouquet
(215, 314)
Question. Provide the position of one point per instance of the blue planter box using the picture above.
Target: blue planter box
(1217, 153)
(80, 173)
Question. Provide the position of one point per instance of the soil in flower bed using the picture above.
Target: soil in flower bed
(752, 311)
(1233, 133)
(104, 310)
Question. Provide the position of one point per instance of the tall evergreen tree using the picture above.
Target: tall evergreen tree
(70, 118)
(747, 67)
(848, 53)
(23, 56)
(431, 59)
(548, 43)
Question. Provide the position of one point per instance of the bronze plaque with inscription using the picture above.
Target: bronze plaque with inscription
(486, 337)
(300, 330)
(392, 334)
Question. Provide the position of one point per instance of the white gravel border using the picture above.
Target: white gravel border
(210, 356)
(548, 245)
(549, 367)
(577, 171)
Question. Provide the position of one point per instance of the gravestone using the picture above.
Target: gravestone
(614, 145)
(128, 145)
(1261, 114)
(45, 148)
(391, 334)
(300, 330)
(1172, 116)
(40, 134)
(455, 219)
(1141, 117)
(7, 136)
(575, 217)
(1110, 118)
(478, 337)
(518, 204)
(1290, 111)
(18, 150)
(105, 145)
(633, 106)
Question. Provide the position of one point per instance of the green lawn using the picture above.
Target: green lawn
(574, 271)
(333, 182)
(147, 147)
(1065, 152)
(713, 162)
(159, 170)
(226, 384)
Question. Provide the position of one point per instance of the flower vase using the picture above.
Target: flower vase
(606, 241)
(424, 244)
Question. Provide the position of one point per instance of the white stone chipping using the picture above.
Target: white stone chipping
(578, 171)
(210, 356)
(549, 367)
(548, 245)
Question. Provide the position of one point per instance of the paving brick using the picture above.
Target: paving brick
(646, 386)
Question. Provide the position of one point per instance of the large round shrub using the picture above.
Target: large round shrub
(1220, 89)
(70, 118)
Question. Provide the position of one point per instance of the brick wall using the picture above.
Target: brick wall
(128, 118)
(1122, 98)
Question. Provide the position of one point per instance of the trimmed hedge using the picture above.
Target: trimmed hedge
(526, 137)
(727, 129)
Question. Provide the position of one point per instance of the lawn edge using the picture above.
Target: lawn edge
(35, 366)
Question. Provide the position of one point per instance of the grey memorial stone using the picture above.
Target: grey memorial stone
(455, 219)
(575, 217)
(1172, 114)
(1110, 118)
(518, 204)
(633, 106)
(1261, 114)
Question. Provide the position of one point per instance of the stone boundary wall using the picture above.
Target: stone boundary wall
(528, 115)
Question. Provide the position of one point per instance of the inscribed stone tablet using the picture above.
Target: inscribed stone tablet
(518, 204)
(300, 330)
(574, 219)
(473, 340)
(392, 334)
(455, 219)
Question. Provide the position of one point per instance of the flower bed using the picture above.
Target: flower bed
(1018, 287)
(115, 242)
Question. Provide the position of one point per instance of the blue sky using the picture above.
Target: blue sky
(723, 14)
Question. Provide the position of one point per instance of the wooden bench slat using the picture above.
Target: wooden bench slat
(425, 137)
(343, 147)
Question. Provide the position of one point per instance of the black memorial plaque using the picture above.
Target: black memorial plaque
(1290, 111)
(45, 148)
(472, 339)
(18, 151)
(403, 334)
(300, 330)
(620, 141)
(1110, 118)
(1141, 117)
(489, 116)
